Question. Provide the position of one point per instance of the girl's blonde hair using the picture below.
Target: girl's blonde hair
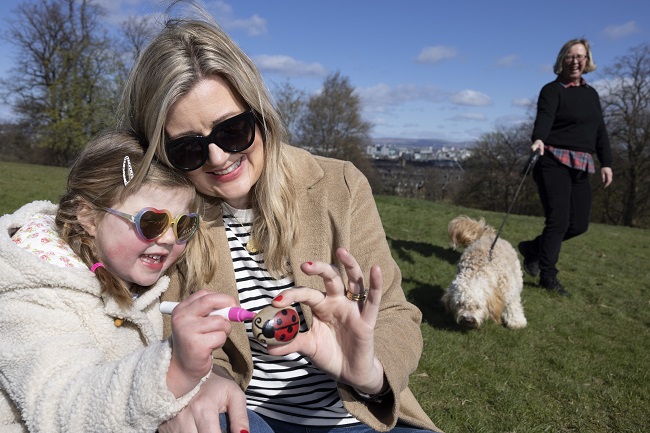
(564, 51)
(182, 54)
(96, 181)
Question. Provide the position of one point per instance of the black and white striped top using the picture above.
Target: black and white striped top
(287, 388)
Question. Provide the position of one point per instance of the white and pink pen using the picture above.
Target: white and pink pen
(234, 314)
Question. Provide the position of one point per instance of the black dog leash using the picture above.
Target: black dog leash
(532, 159)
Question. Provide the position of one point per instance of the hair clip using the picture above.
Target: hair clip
(127, 170)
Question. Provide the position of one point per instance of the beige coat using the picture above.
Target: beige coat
(337, 209)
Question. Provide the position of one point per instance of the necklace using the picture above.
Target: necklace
(250, 246)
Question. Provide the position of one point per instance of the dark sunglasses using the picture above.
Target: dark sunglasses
(152, 223)
(232, 135)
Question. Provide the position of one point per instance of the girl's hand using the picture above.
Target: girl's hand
(194, 336)
(341, 339)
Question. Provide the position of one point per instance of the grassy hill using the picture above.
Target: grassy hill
(581, 365)
(22, 183)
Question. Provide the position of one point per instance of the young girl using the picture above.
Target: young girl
(81, 346)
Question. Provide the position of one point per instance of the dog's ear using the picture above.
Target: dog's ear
(455, 230)
(453, 244)
(451, 229)
(462, 231)
(495, 303)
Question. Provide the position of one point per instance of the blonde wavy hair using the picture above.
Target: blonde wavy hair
(183, 53)
(564, 51)
(95, 182)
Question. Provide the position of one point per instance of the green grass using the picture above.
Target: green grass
(582, 363)
(23, 183)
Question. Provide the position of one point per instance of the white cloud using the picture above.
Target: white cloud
(288, 66)
(436, 54)
(522, 102)
(254, 25)
(225, 16)
(381, 96)
(119, 10)
(507, 60)
(479, 117)
(471, 97)
(622, 30)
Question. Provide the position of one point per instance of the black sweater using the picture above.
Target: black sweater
(571, 118)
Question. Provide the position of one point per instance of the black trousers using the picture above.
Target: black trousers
(565, 194)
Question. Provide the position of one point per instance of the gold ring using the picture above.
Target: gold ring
(356, 297)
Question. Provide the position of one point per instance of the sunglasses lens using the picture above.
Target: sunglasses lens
(186, 225)
(186, 153)
(236, 135)
(232, 135)
(153, 224)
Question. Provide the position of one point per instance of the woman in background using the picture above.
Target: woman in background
(569, 129)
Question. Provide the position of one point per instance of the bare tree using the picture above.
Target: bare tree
(626, 104)
(331, 125)
(62, 83)
(493, 172)
(291, 103)
(137, 32)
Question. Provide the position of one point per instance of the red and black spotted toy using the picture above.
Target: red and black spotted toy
(276, 326)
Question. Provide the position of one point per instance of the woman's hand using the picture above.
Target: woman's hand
(194, 336)
(341, 339)
(607, 175)
(218, 394)
(538, 145)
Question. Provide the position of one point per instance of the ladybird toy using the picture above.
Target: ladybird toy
(276, 326)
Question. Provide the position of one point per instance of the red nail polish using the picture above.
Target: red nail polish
(277, 298)
(309, 263)
(243, 431)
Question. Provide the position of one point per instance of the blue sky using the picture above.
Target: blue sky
(424, 69)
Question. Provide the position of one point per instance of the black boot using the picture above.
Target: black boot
(531, 263)
(553, 286)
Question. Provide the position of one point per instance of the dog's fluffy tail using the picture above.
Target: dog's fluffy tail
(464, 230)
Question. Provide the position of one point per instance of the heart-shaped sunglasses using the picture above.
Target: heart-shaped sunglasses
(152, 223)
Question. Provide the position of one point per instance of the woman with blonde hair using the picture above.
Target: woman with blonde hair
(280, 217)
(569, 128)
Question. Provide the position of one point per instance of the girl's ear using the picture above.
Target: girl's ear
(86, 216)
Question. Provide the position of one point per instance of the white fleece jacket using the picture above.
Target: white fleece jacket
(64, 364)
